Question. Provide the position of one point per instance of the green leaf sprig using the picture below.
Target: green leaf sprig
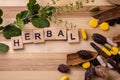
(38, 15)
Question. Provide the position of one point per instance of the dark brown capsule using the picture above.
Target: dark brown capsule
(99, 50)
(63, 68)
(98, 38)
(85, 54)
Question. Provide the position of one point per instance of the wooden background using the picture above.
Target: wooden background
(40, 61)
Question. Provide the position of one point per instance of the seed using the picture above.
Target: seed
(84, 54)
(63, 68)
(98, 38)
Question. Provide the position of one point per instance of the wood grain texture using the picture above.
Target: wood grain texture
(40, 61)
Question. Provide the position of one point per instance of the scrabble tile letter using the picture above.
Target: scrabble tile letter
(60, 33)
(27, 36)
(49, 33)
(38, 36)
(73, 36)
(17, 42)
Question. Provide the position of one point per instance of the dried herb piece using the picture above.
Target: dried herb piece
(63, 68)
(11, 31)
(74, 59)
(90, 72)
(117, 2)
(108, 14)
(84, 54)
(98, 38)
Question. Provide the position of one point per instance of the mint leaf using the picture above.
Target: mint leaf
(22, 14)
(36, 8)
(31, 3)
(21, 18)
(40, 23)
(11, 31)
(47, 11)
(20, 23)
(1, 20)
(33, 6)
(1, 27)
(3, 48)
(1, 12)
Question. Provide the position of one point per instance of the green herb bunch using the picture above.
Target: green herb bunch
(39, 16)
(35, 14)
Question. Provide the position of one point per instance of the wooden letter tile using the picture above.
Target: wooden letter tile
(27, 36)
(17, 42)
(73, 36)
(38, 36)
(60, 33)
(49, 33)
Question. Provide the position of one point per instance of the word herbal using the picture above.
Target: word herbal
(42, 35)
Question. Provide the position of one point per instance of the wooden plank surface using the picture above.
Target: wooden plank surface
(40, 61)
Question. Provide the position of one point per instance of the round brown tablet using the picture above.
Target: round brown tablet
(114, 2)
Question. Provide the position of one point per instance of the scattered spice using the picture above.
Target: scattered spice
(63, 68)
(84, 54)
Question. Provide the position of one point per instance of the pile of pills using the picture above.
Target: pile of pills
(103, 26)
